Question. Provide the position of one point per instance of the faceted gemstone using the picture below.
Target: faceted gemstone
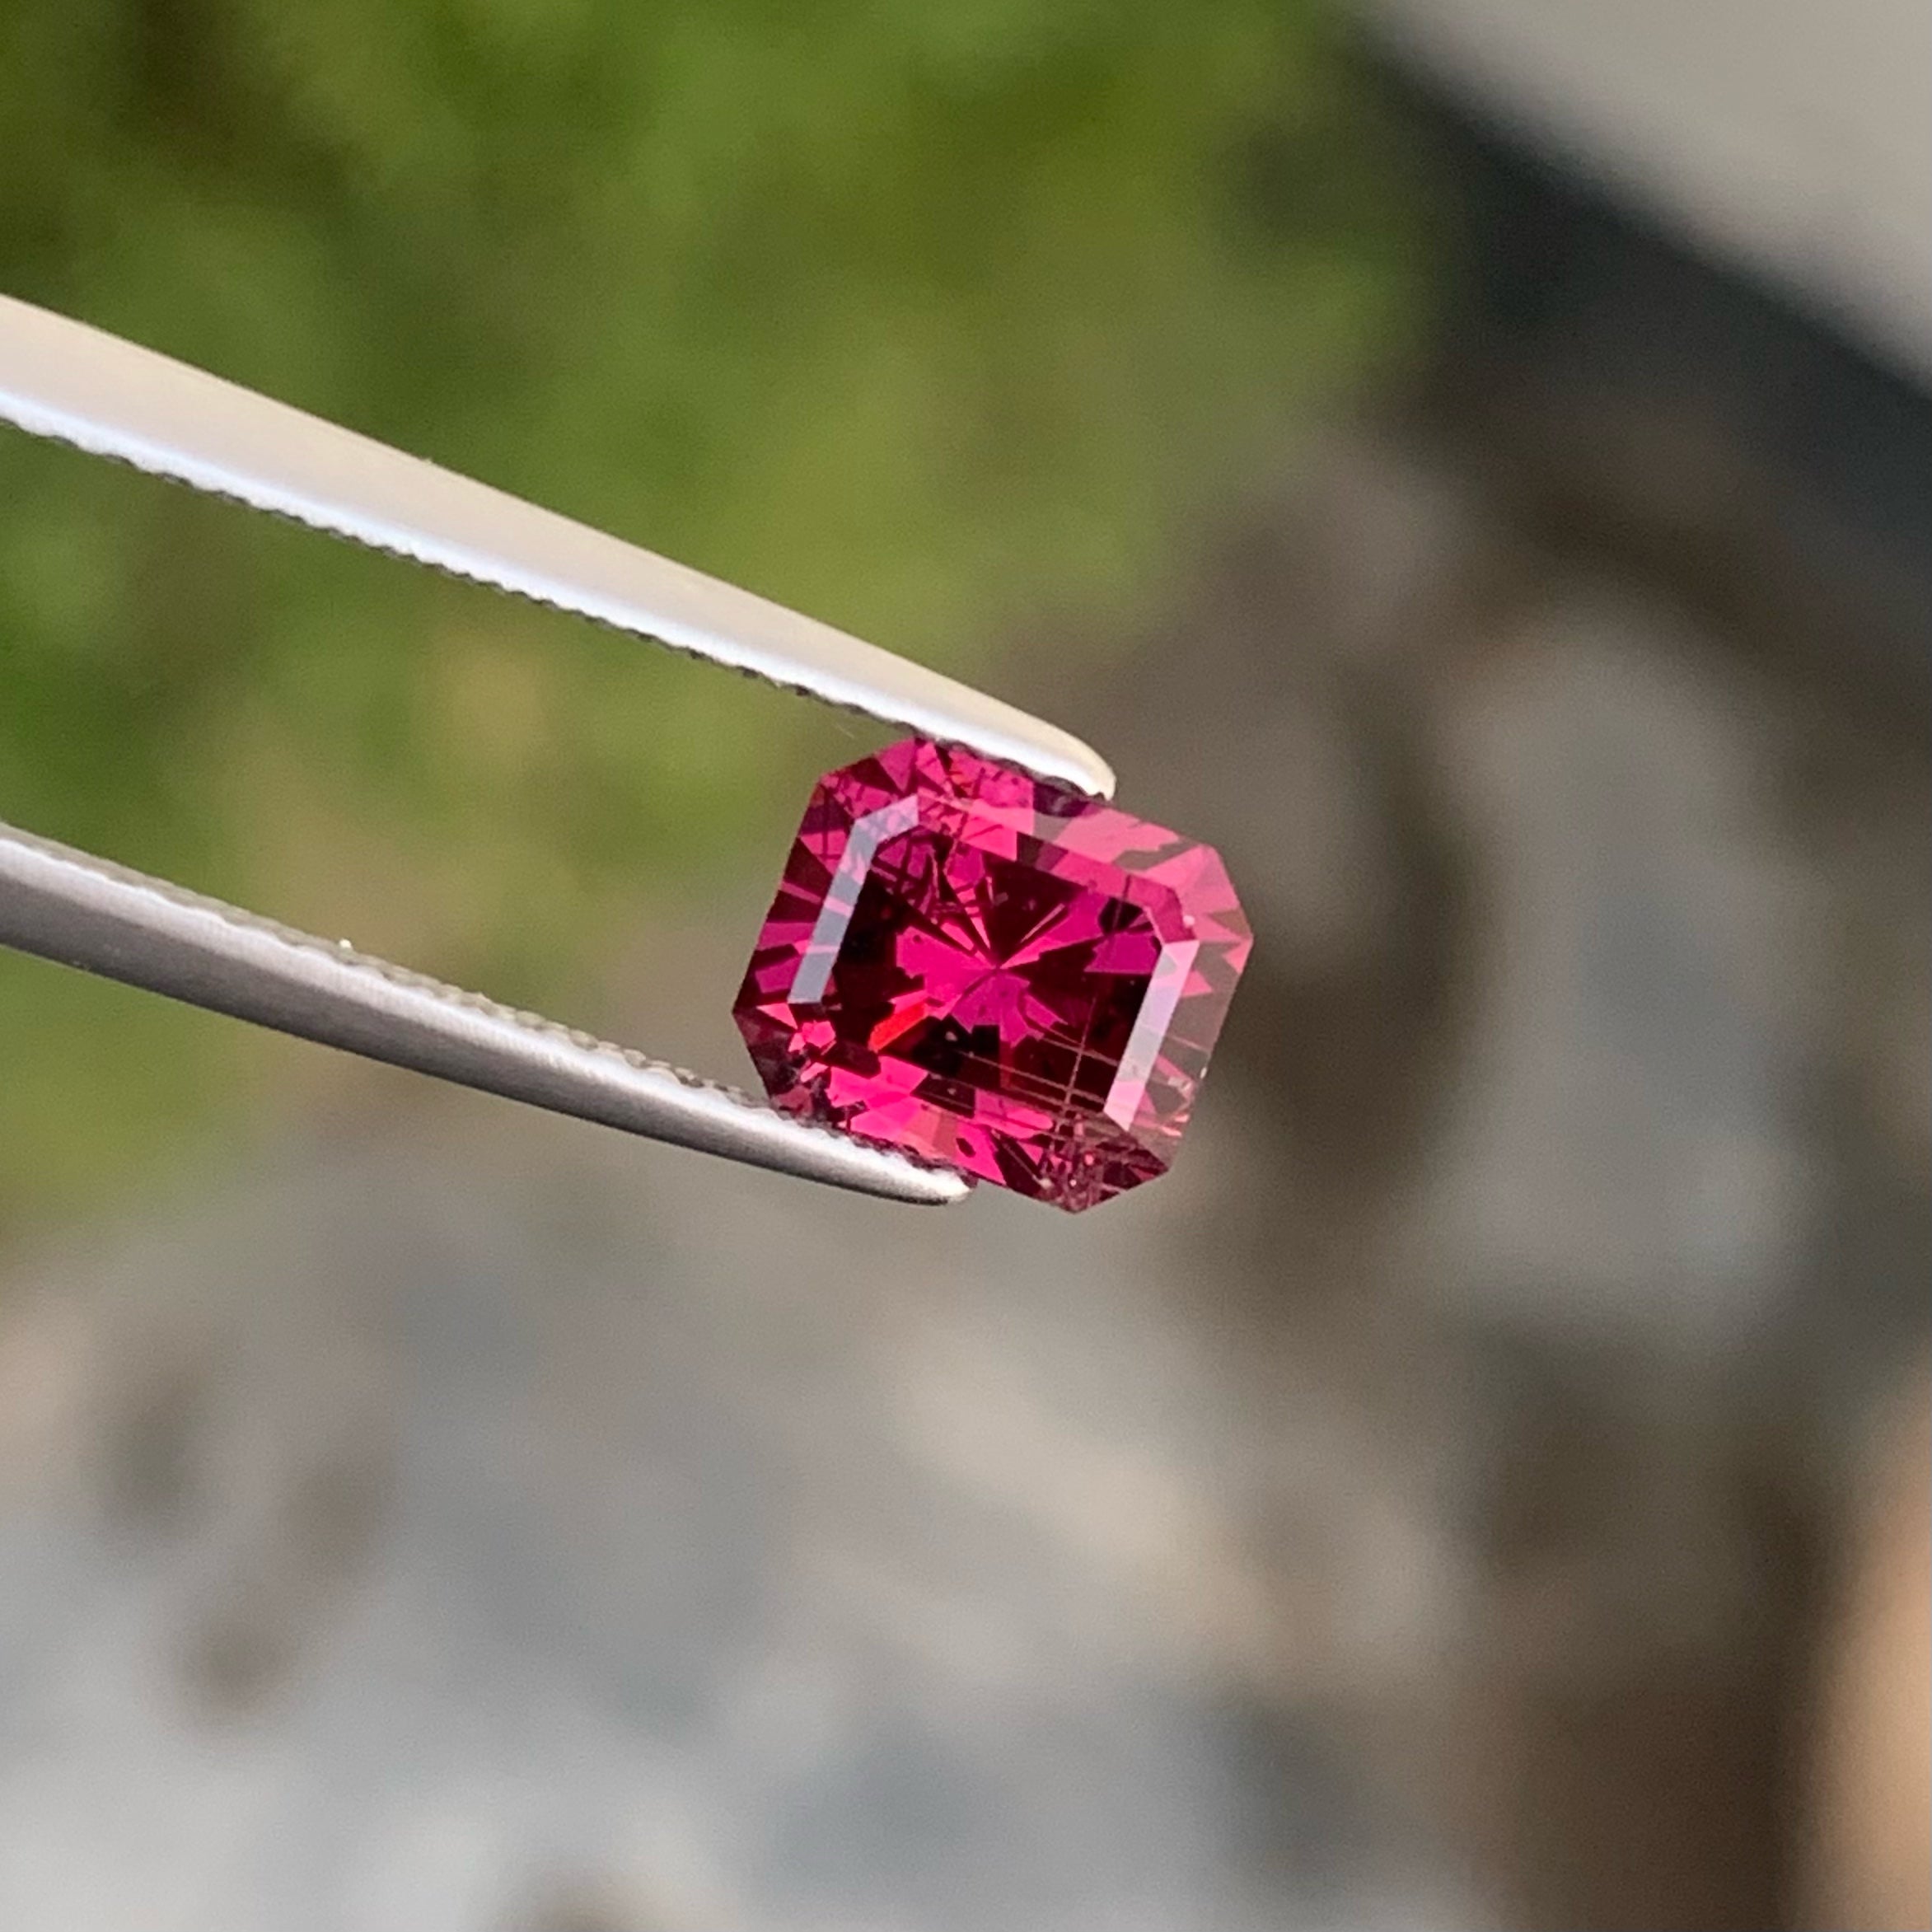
(993, 972)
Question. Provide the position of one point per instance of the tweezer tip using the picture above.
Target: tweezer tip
(1096, 776)
(940, 1188)
(1059, 755)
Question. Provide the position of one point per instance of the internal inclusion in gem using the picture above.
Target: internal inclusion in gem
(993, 972)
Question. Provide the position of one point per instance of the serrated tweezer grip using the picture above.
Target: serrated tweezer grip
(80, 911)
(77, 384)
(61, 379)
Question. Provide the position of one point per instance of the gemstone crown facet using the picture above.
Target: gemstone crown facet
(994, 972)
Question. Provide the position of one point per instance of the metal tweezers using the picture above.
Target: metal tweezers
(61, 379)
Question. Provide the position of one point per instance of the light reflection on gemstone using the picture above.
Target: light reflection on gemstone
(1164, 989)
(994, 972)
(855, 863)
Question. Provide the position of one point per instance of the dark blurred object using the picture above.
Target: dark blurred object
(1784, 136)
(1667, 408)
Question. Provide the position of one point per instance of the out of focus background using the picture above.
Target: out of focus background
(1470, 460)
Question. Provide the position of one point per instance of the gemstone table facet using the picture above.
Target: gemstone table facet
(994, 972)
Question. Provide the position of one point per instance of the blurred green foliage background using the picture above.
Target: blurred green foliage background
(926, 315)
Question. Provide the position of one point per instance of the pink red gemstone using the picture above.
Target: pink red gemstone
(993, 972)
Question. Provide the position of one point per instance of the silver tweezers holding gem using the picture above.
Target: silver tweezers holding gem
(62, 379)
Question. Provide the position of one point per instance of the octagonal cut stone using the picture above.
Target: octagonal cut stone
(993, 972)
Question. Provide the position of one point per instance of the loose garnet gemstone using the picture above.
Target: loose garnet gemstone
(993, 972)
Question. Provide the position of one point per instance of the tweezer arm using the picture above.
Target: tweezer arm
(83, 912)
(61, 379)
